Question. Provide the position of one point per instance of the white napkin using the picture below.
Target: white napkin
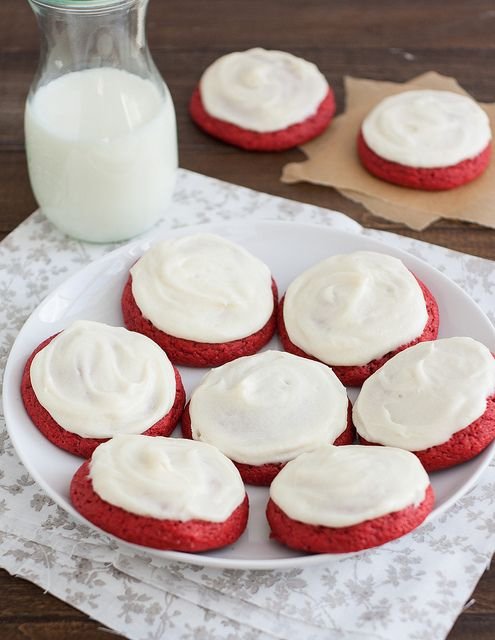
(413, 588)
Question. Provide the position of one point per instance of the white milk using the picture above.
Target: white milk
(102, 153)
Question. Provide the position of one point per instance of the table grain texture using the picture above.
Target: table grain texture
(385, 40)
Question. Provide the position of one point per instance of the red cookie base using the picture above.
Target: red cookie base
(367, 534)
(175, 535)
(279, 140)
(354, 376)
(461, 446)
(74, 443)
(190, 352)
(427, 179)
(262, 475)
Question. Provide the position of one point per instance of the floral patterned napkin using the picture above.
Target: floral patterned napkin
(413, 588)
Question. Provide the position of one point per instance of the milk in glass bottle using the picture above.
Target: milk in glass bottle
(101, 136)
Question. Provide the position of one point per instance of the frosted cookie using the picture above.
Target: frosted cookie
(353, 312)
(343, 499)
(430, 140)
(202, 298)
(93, 381)
(262, 100)
(262, 411)
(436, 399)
(165, 493)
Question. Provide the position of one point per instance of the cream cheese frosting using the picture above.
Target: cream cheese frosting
(426, 393)
(269, 407)
(166, 478)
(427, 128)
(350, 309)
(203, 287)
(97, 381)
(262, 90)
(342, 486)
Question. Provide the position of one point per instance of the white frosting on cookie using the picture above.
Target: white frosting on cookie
(166, 478)
(204, 288)
(269, 407)
(424, 394)
(262, 90)
(427, 128)
(350, 309)
(343, 486)
(97, 381)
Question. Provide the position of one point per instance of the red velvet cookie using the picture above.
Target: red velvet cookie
(280, 140)
(343, 499)
(192, 353)
(435, 400)
(353, 376)
(263, 474)
(428, 179)
(73, 442)
(367, 534)
(189, 535)
(462, 446)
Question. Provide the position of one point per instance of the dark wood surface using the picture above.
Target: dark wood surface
(384, 39)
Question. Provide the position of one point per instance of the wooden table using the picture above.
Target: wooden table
(385, 40)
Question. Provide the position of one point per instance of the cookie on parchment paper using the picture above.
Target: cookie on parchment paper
(425, 139)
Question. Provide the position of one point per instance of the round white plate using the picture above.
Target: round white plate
(288, 248)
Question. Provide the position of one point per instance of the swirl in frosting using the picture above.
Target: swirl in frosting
(97, 381)
(262, 90)
(166, 478)
(427, 128)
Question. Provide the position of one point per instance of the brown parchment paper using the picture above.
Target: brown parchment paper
(333, 161)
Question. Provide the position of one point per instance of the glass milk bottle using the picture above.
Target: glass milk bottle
(101, 136)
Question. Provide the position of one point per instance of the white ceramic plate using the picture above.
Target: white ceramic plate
(288, 248)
